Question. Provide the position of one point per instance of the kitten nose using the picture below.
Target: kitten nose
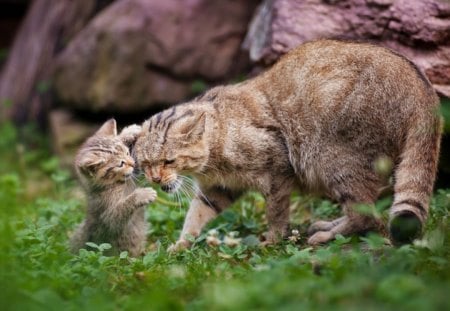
(156, 179)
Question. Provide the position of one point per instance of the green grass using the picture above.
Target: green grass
(40, 205)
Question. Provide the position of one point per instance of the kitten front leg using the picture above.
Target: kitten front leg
(130, 133)
(141, 197)
(204, 207)
(119, 214)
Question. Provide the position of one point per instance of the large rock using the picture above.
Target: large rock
(25, 76)
(141, 53)
(68, 132)
(418, 29)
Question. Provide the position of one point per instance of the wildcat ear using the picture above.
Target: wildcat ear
(194, 128)
(109, 128)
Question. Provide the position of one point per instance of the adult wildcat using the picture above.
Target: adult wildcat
(319, 118)
(115, 212)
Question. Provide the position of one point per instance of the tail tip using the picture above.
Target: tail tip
(405, 227)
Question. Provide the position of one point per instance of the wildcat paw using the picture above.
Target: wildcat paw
(144, 196)
(320, 237)
(179, 246)
(267, 243)
(271, 238)
(324, 225)
(320, 226)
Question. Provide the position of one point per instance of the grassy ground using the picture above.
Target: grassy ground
(40, 205)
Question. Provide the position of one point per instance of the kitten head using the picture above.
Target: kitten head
(172, 142)
(104, 159)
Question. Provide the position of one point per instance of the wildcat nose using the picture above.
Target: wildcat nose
(156, 179)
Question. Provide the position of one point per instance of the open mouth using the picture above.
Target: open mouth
(171, 187)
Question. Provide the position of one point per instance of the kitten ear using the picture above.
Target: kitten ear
(89, 163)
(193, 129)
(109, 128)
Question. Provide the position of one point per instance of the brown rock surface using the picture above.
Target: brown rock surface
(25, 76)
(68, 132)
(419, 29)
(138, 53)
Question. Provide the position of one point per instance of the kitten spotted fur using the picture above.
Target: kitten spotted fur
(318, 119)
(116, 207)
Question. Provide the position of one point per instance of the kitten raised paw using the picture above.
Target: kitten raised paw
(130, 133)
(132, 130)
(145, 196)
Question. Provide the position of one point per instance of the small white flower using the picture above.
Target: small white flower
(293, 238)
(213, 241)
(213, 232)
(233, 234)
(231, 241)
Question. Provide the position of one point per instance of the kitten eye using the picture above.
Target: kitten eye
(122, 163)
(167, 162)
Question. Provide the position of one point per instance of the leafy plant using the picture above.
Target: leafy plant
(38, 273)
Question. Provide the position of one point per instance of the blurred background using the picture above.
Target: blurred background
(66, 66)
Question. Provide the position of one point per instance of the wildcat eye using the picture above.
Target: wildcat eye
(122, 163)
(167, 162)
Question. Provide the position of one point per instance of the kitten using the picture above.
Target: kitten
(115, 212)
(319, 119)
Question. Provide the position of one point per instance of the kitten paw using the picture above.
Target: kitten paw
(320, 237)
(132, 130)
(145, 196)
(179, 246)
(130, 133)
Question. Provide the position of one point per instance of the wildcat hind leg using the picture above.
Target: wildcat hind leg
(322, 225)
(348, 226)
(351, 185)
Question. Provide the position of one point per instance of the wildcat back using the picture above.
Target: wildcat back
(319, 119)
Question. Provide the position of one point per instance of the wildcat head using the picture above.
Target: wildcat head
(171, 143)
(104, 159)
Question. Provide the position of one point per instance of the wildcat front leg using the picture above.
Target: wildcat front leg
(277, 212)
(198, 215)
(205, 207)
